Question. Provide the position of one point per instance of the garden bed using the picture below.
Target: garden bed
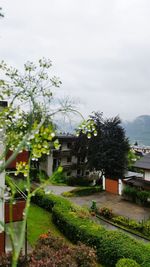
(141, 229)
(83, 191)
(75, 224)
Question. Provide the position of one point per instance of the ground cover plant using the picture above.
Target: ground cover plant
(142, 227)
(83, 191)
(110, 245)
(127, 263)
(135, 195)
(54, 252)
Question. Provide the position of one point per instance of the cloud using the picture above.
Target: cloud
(100, 48)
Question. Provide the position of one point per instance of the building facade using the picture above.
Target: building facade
(66, 156)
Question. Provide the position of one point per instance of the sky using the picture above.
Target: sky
(100, 49)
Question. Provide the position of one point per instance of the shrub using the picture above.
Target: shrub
(143, 196)
(110, 245)
(127, 263)
(58, 177)
(6, 260)
(130, 192)
(136, 195)
(105, 212)
(85, 191)
(142, 227)
(81, 181)
(52, 251)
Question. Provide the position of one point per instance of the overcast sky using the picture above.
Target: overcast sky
(99, 48)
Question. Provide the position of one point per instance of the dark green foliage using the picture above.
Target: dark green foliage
(83, 191)
(59, 177)
(37, 175)
(127, 263)
(110, 245)
(142, 227)
(109, 149)
(116, 245)
(81, 181)
(136, 195)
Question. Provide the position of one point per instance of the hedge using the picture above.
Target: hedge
(83, 191)
(110, 245)
(127, 263)
(136, 195)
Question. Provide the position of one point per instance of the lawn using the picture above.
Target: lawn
(39, 222)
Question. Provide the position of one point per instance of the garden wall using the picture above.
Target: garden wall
(17, 211)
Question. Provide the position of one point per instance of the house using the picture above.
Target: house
(66, 156)
(142, 182)
(18, 206)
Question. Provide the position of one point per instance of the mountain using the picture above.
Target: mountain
(138, 130)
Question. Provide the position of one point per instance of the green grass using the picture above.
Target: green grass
(39, 222)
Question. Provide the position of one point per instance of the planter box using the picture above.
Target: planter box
(17, 211)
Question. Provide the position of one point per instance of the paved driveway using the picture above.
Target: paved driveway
(58, 189)
(104, 199)
(119, 206)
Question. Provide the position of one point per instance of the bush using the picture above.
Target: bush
(6, 260)
(110, 245)
(143, 196)
(127, 263)
(84, 191)
(141, 227)
(59, 177)
(105, 212)
(130, 192)
(52, 251)
(136, 195)
(81, 181)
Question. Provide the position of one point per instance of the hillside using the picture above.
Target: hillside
(139, 130)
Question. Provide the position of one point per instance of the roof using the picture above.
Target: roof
(138, 182)
(130, 174)
(143, 163)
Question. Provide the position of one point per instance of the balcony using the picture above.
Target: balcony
(62, 153)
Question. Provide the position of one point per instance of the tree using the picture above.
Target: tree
(109, 149)
(26, 124)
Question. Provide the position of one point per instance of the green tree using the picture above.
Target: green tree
(109, 149)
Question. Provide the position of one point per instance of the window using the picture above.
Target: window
(69, 159)
(69, 145)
